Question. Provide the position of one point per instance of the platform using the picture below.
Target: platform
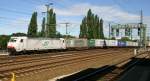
(140, 72)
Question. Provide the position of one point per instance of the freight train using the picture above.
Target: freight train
(26, 44)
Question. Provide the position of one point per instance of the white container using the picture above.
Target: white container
(111, 43)
(148, 43)
(99, 42)
(129, 43)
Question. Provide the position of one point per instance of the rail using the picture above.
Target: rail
(21, 70)
(82, 78)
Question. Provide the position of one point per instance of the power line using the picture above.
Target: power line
(123, 6)
(6, 18)
(67, 24)
(31, 2)
(14, 11)
(38, 1)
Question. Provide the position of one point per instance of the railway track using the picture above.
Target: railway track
(53, 53)
(107, 73)
(9, 63)
(26, 67)
(18, 59)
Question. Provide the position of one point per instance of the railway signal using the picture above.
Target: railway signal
(139, 30)
(128, 30)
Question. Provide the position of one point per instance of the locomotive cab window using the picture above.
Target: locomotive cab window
(12, 40)
(21, 40)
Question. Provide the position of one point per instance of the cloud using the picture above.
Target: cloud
(109, 13)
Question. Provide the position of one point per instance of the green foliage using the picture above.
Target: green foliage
(32, 29)
(113, 38)
(51, 24)
(83, 29)
(125, 39)
(42, 34)
(59, 35)
(19, 34)
(101, 29)
(91, 27)
(68, 36)
(3, 41)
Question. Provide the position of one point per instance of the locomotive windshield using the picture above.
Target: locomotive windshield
(13, 40)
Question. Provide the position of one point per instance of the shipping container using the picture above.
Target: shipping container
(99, 42)
(76, 43)
(129, 43)
(121, 44)
(148, 43)
(91, 43)
(111, 43)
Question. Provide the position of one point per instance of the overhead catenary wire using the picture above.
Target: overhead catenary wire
(10, 19)
(123, 7)
(14, 11)
(31, 2)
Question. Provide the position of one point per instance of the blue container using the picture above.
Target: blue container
(121, 43)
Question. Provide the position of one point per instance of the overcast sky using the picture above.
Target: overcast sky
(15, 14)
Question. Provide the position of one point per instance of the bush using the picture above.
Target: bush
(3, 41)
(125, 39)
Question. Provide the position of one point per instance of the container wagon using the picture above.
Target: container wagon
(76, 43)
(111, 43)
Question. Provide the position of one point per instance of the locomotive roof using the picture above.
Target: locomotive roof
(24, 37)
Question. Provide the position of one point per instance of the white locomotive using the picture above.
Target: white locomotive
(23, 44)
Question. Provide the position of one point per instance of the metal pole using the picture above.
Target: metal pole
(47, 6)
(109, 30)
(67, 24)
(131, 33)
(47, 20)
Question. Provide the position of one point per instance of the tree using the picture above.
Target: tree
(32, 29)
(83, 29)
(113, 38)
(125, 39)
(3, 41)
(19, 34)
(91, 27)
(89, 24)
(51, 24)
(97, 27)
(101, 29)
(58, 35)
(43, 28)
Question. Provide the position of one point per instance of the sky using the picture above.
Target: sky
(15, 16)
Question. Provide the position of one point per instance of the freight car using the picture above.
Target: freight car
(76, 43)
